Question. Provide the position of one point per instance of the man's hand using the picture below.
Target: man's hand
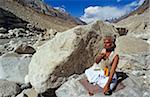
(99, 57)
(105, 89)
(102, 55)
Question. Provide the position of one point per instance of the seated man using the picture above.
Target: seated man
(102, 73)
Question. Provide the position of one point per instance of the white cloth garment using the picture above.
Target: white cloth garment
(98, 77)
(92, 74)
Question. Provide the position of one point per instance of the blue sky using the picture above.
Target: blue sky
(89, 10)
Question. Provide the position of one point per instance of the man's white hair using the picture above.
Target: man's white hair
(110, 37)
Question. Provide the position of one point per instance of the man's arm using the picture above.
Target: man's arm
(99, 57)
(112, 71)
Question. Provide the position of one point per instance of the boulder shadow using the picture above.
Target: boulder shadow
(120, 77)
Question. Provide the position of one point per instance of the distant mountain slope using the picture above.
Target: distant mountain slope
(40, 6)
(9, 20)
(138, 11)
(39, 14)
(138, 23)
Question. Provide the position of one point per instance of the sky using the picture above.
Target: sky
(90, 10)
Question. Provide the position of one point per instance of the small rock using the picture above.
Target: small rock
(145, 82)
(25, 49)
(30, 27)
(5, 36)
(49, 34)
(8, 89)
(25, 86)
(18, 32)
(146, 94)
(28, 93)
(148, 41)
(144, 77)
(137, 73)
(3, 30)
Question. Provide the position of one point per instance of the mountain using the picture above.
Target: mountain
(139, 10)
(137, 23)
(39, 14)
(9, 20)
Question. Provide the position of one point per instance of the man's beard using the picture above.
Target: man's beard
(110, 49)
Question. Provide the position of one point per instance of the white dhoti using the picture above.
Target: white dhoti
(97, 77)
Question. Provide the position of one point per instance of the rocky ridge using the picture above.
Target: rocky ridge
(51, 19)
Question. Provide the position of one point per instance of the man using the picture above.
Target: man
(102, 73)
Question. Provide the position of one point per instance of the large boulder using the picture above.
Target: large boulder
(131, 45)
(14, 67)
(132, 62)
(73, 88)
(133, 54)
(67, 53)
(8, 89)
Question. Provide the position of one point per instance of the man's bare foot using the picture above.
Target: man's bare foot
(91, 94)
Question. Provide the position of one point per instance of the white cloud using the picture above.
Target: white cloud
(102, 13)
(107, 12)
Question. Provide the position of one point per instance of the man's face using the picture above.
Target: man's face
(107, 43)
